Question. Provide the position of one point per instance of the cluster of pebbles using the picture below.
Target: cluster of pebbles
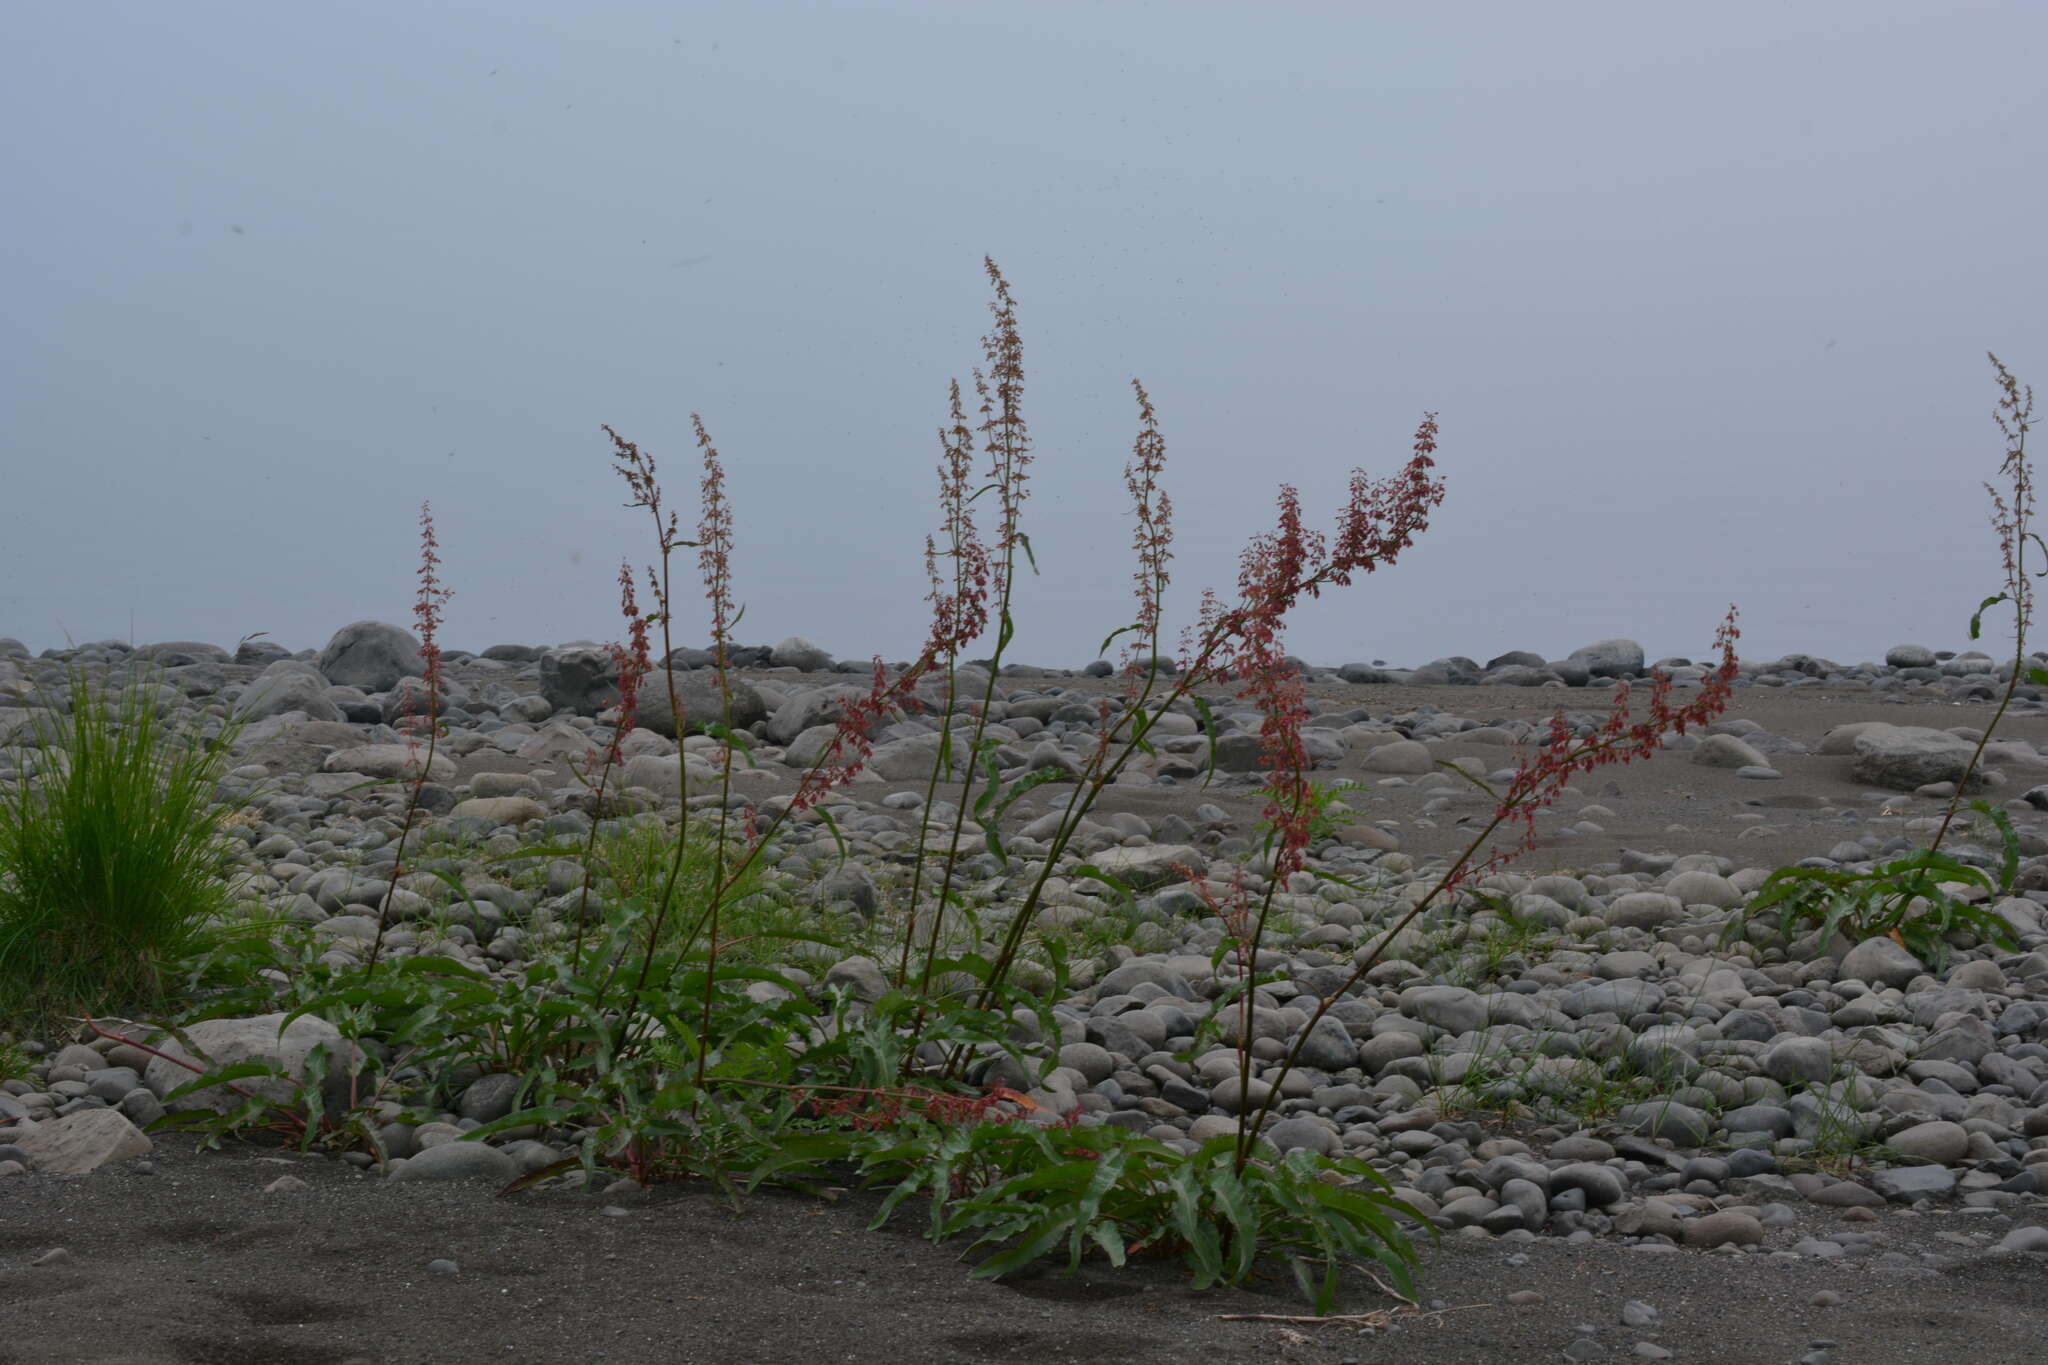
(1578, 1056)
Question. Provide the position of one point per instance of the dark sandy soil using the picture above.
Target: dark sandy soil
(196, 1265)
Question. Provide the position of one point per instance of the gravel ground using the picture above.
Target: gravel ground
(187, 1256)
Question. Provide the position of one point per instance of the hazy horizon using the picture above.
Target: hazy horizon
(1703, 302)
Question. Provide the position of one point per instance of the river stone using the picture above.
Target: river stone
(1880, 962)
(1794, 1060)
(1616, 658)
(1644, 910)
(371, 655)
(1330, 1046)
(399, 761)
(1306, 1131)
(1939, 1142)
(861, 975)
(2030, 1238)
(1977, 976)
(698, 693)
(1846, 1194)
(280, 690)
(798, 653)
(1602, 1184)
(1906, 757)
(226, 1042)
(460, 1160)
(1729, 1227)
(1150, 865)
(1680, 1124)
(489, 1097)
(1726, 751)
(809, 709)
(585, 681)
(1907, 1183)
(1403, 757)
(1624, 998)
(501, 810)
(1143, 971)
(82, 1141)
(1451, 1008)
(1703, 888)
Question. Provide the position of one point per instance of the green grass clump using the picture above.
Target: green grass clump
(113, 865)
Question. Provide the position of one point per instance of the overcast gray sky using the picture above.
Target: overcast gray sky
(1702, 294)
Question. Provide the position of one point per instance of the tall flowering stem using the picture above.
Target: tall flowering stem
(1379, 520)
(1006, 442)
(428, 604)
(959, 616)
(1152, 536)
(2014, 523)
(1005, 436)
(1540, 778)
(714, 566)
(642, 477)
(640, 472)
(1152, 540)
(631, 662)
(714, 547)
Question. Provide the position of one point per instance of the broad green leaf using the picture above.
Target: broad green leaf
(1977, 616)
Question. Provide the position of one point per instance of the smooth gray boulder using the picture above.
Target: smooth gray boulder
(1726, 751)
(401, 762)
(1616, 658)
(585, 681)
(259, 652)
(807, 709)
(287, 686)
(490, 1097)
(1701, 887)
(225, 1042)
(1518, 675)
(1905, 757)
(1644, 910)
(798, 653)
(1880, 962)
(178, 653)
(1450, 1008)
(1841, 739)
(371, 655)
(1679, 1124)
(1623, 998)
(1151, 865)
(1329, 1046)
(701, 700)
(1937, 1143)
(1903, 1184)
(1794, 1061)
(82, 1141)
(1602, 1185)
(1403, 757)
(1909, 656)
(459, 1160)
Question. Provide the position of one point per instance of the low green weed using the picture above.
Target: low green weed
(1025, 1191)
(1906, 898)
(115, 875)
